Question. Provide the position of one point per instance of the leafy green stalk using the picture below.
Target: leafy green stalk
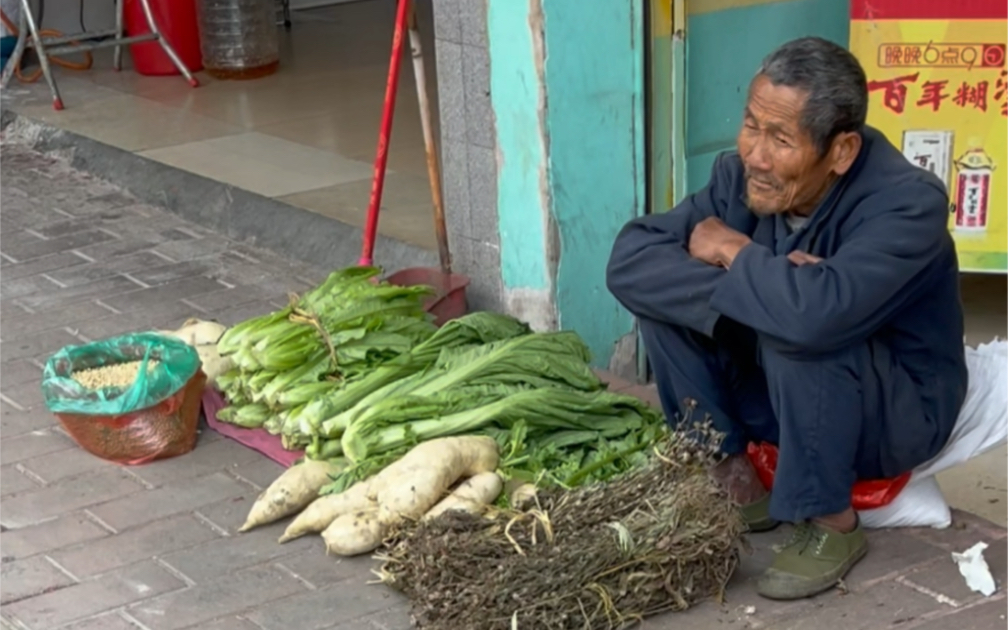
(540, 360)
(412, 420)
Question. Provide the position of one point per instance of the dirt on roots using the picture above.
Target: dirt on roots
(658, 539)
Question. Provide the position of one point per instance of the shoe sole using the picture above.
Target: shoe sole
(761, 526)
(815, 588)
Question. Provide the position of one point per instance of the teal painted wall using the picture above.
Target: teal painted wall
(723, 50)
(595, 123)
(515, 84)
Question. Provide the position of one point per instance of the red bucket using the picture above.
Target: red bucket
(176, 19)
(449, 299)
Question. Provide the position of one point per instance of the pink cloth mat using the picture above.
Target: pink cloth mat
(258, 440)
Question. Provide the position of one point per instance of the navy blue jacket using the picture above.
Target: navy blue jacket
(889, 272)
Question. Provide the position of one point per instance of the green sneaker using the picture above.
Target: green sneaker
(757, 515)
(812, 561)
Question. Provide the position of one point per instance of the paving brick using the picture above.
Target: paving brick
(260, 471)
(99, 290)
(207, 457)
(109, 621)
(73, 494)
(891, 551)
(20, 372)
(64, 531)
(230, 514)
(133, 545)
(40, 442)
(132, 264)
(112, 199)
(169, 315)
(69, 463)
(23, 410)
(230, 298)
(886, 605)
(29, 577)
(229, 595)
(231, 622)
(316, 610)
(154, 296)
(13, 482)
(983, 616)
(20, 287)
(394, 618)
(184, 496)
(114, 249)
(193, 249)
(232, 315)
(66, 227)
(24, 249)
(942, 576)
(320, 569)
(164, 273)
(70, 317)
(112, 590)
(965, 531)
(209, 561)
(46, 342)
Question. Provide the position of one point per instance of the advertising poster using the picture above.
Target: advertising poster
(937, 84)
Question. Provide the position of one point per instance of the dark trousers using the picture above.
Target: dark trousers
(836, 418)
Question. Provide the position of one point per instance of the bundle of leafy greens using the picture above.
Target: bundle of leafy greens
(534, 393)
(341, 330)
(468, 331)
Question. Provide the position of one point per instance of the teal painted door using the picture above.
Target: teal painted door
(723, 43)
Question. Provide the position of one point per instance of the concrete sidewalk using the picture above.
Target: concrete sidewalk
(93, 546)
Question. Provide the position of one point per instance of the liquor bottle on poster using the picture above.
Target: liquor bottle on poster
(973, 190)
(931, 150)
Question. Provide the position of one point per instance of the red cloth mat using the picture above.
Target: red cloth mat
(256, 439)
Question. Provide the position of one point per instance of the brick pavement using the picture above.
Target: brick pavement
(88, 545)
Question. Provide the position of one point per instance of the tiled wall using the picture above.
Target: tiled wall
(468, 147)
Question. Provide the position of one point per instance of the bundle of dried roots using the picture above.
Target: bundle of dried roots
(657, 539)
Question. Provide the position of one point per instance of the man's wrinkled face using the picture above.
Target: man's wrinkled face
(783, 169)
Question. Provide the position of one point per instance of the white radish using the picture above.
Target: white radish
(197, 332)
(293, 490)
(321, 512)
(354, 533)
(412, 485)
(473, 495)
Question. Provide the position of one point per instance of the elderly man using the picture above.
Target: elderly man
(808, 296)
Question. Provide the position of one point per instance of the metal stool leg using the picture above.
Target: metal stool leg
(117, 54)
(286, 14)
(15, 59)
(42, 56)
(165, 45)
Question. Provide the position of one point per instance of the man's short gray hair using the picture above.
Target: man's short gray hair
(834, 80)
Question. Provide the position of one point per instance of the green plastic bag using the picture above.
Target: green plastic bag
(177, 363)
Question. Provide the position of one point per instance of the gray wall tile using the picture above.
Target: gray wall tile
(487, 289)
(483, 195)
(451, 90)
(478, 109)
(447, 20)
(455, 187)
(473, 18)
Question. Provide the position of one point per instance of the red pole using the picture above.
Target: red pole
(384, 135)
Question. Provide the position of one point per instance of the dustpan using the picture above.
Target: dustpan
(449, 299)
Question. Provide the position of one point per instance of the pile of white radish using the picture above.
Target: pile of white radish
(452, 473)
(203, 336)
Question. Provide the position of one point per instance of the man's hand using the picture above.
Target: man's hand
(801, 258)
(715, 243)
